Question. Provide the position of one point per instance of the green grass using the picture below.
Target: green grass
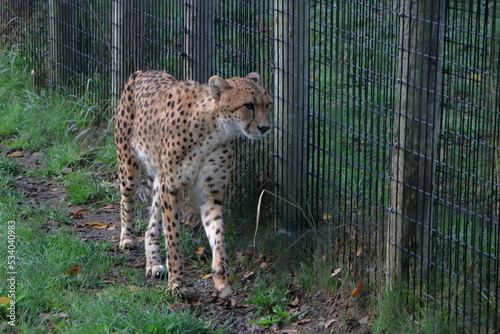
(143, 311)
(9, 167)
(397, 314)
(45, 283)
(61, 126)
(86, 187)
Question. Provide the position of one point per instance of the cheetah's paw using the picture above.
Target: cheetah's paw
(128, 244)
(225, 292)
(156, 271)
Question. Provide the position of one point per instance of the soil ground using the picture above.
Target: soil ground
(316, 313)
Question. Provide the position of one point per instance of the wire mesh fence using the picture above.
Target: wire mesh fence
(386, 134)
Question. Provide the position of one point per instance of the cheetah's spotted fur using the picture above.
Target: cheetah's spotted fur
(183, 133)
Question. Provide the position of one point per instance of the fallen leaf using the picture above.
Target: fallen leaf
(4, 301)
(54, 319)
(357, 290)
(42, 316)
(178, 305)
(248, 274)
(60, 316)
(329, 322)
(294, 303)
(75, 270)
(199, 250)
(108, 207)
(276, 328)
(364, 320)
(263, 265)
(15, 154)
(327, 216)
(133, 288)
(97, 225)
(336, 272)
(239, 256)
(260, 257)
(206, 276)
(301, 322)
(360, 250)
(79, 213)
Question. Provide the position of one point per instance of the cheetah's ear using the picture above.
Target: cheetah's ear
(217, 85)
(254, 76)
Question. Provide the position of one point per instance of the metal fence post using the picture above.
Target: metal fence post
(291, 75)
(63, 39)
(415, 140)
(198, 40)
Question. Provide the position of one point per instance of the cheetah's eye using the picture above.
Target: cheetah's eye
(249, 106)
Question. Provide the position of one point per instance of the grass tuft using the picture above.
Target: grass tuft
(86, 187)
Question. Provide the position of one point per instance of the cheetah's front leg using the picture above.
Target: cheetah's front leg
(211, 216)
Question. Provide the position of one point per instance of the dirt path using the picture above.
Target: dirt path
(316, 313)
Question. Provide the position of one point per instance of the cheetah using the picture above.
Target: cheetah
(182, 134)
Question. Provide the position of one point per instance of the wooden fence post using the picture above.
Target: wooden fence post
(127, 41)
(198, 39)
(415, 140)
(291, 88)
(63, 39)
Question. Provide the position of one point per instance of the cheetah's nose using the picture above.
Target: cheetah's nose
(263, 129)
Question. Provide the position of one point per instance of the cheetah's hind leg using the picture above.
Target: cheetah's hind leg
(154, 266)
(129, 177)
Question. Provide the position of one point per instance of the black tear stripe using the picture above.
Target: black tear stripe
(248, 125)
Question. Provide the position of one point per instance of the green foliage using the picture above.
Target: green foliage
(47, 282)
(271, 302)
(35, 119)
(400, 311)
(278, 315)
(38, 287)
(85, 187)
(315, 274)
(132, 310)
(9, 167)
(60, 276)
(61, 157)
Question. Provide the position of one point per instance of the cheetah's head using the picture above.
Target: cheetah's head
(244, 105)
